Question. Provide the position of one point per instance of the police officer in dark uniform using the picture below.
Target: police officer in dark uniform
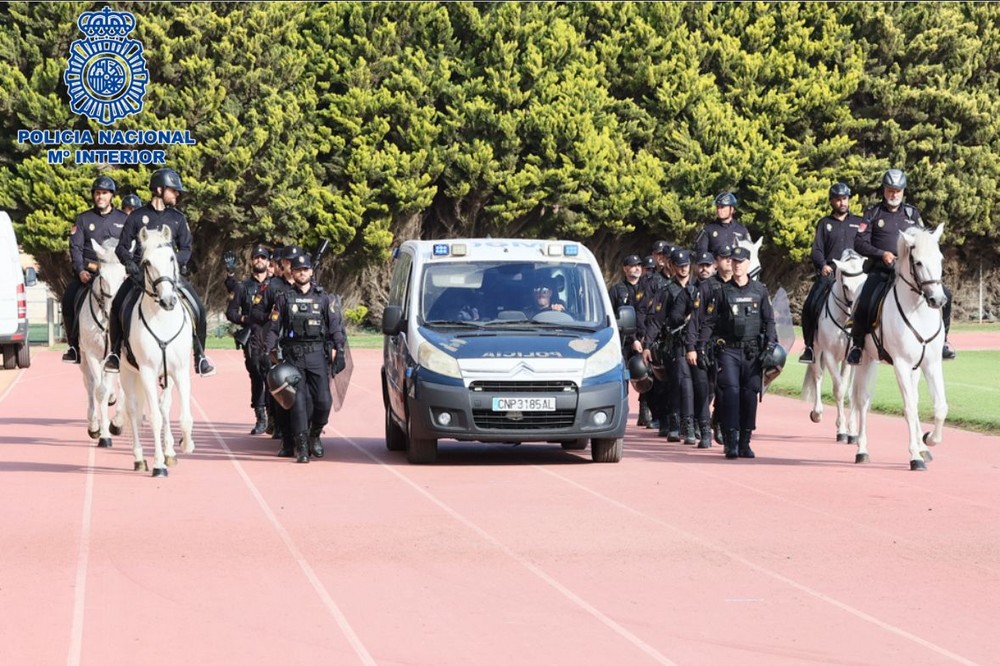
(683, 293)
(630, 290)
(100, 223)
(725, 231)
(130, 202)
(834, 234)
(696, 344)
(239, 311)
(165, 186)
(743, 326)
(648, 265)
(877, 239)
(308, 325)
(652, 283)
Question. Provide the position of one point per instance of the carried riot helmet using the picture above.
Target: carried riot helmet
(104, 183)
(283, 381)
(165, 178)
(772, 364)
(639, 375)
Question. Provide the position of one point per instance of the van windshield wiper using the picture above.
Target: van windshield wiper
(566, 327)
(452, 323)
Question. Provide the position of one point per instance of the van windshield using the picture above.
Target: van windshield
(494, 292)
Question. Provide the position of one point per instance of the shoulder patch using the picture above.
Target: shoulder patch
(862, 227)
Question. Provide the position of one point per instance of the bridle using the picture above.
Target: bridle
(916, 286)
(151, 292)
(102, 297)
(155, 282)
(844, 302)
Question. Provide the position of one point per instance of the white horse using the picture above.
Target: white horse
(93, 323)
(160, 339)
(832, 341)
(912, 332)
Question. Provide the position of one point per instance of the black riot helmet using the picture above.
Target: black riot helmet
(895, 179)
(283, 381)
(104, 183)
(165, 178)
(726, 199)
(131, 201)
(639, 375)
(838, 190)
(772, 363)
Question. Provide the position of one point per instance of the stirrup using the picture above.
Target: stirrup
(807, 356)
(111, 363)
(204, 367)
(854, 355)
(71, 356)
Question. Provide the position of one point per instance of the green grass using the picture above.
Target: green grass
(971, 387)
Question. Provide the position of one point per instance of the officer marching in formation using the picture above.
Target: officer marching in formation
(876, 240)
(166, 188)
(682, 293)
(309, 327)
(631, 290)
(834, 234)
(725, 231)
(745, 336)
(648, 323)
(100, 223)
(693, 306)
(250, 337)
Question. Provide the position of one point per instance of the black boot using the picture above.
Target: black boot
(706, 435)
(270, 424)
(807, 355)
(732, 444)
(689, 437)
(72, 355)
(261, 424)
(744, 449)
(673, 428)
(644, 415)
(203, 366)
(287, 448)
(315, 445)
(302, 448)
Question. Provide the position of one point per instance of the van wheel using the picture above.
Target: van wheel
(606, 450)
(421, 450)
(575, 444)
(9, 357)
(24, 356)
(395, 438)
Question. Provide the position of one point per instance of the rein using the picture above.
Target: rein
(151, 292)
(909, 325)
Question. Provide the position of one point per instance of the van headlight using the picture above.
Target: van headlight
(435, 360)
(603, 360)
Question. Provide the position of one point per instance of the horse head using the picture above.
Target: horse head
(159, 265)
(850, 276)
(754, 248)
(920, 263)
(110, 274)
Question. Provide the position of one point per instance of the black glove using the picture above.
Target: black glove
(229, 259)
(133, 270)
(185, 271)
(339, 363)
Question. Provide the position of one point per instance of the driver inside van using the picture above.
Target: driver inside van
(545, 297)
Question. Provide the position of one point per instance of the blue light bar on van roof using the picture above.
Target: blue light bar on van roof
(440, 250)
(571, 250)
(566, 250)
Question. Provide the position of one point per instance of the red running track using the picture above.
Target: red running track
(497, 555)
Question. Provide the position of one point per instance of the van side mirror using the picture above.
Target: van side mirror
(392, 320)
(30, 277)
(626, 320)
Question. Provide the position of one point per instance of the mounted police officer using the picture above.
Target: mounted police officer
(130, 202)
(834, 234)
(251, 334)
(100, 223)
(165, 187)
(724, 231)
(743, 326)
(696, 344)
(308, 325)
(631, 290)
(877, 239)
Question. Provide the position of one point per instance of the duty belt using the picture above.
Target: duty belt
(739, 344)
(303, 347)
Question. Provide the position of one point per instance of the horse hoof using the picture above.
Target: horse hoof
(861, 458)
(140, 466)
(929, 441)
(115, 429)
(160, 471)
(171, 461)
(926, 455)
(918, 465)
(852, 439)
(93, 434)
(815, 417)
(841, 437)
(104, 443)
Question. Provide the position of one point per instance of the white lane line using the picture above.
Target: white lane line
(520, 559)
(767, 572)
(10, 387)
(286, 538)
(80, 586)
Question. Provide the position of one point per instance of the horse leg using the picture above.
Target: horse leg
(166, 400)
(118, 399)
(812, 387)
(149, 381)
(187, 421)
(935, 382)
(861, 399)
(133, 412)
(90, 384)
(906, 378)
(841, 385)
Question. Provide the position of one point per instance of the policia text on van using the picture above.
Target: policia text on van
(497, 340)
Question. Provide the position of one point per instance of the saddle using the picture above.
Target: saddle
(875, 316)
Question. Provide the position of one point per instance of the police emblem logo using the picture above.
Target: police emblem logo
(274, 314)
(881, 223)
(91, 227)
(829, 227)
(294, 307)
(638, 295)
(145, 219)
(256, 299)
(715, 234)
(106, 73)
(736, 309)
(711, 308)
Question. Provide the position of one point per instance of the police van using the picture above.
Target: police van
(502, 340)
(13, 299)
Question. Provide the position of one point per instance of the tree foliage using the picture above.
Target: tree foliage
(611, 123)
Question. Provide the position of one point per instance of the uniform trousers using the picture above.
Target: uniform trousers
(739, 383)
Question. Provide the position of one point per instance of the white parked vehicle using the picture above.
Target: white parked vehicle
(502, 340)
(13, 300)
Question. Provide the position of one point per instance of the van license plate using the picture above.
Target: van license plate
(524, 404)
